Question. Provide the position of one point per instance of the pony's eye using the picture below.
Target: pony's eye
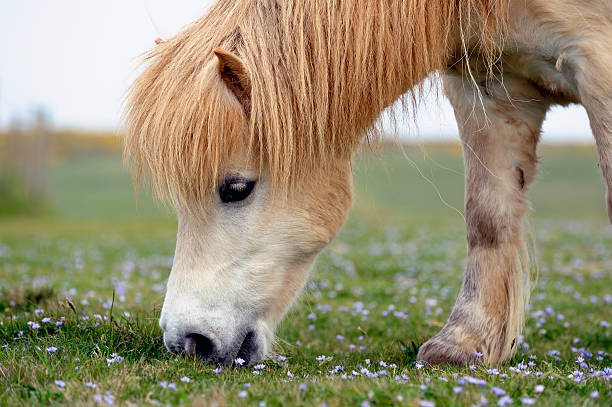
(235, 189)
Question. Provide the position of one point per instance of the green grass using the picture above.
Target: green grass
(386, 284)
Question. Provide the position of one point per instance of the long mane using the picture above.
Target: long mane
(321, 73)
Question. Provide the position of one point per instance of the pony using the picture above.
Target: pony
(246, 122)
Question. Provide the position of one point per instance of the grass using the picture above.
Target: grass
(386, 284)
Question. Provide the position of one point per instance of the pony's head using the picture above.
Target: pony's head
(252, 143)
(248, 232)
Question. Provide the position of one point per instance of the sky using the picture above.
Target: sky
(76, 59)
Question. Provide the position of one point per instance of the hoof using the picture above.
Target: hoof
(437, 351)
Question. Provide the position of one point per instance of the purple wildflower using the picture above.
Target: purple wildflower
(60, 383)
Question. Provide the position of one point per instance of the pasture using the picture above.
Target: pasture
(81, 288)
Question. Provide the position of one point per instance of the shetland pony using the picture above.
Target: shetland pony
(247, 120)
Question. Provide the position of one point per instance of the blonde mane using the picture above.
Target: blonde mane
(321, 72)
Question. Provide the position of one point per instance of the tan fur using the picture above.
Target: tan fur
(288, 89)
(321, 72)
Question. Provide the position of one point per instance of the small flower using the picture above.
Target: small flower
(604, 324)
(59, 323)
(303, 387)
(46, 320)
(60, 383)
(217, 370)
(242, 394)
(321, 358)
(426, 403)
(281, 359)
(595, 394)
(419, 365)
(527, 401)
(458, 389)
(260, 366)
(33, 325)
(504, 401)
(91, 385)
(289, 374)
(538, 389)
(478, 355)
(109, 398)
(185, 379)
(498, 392)
(239, 361)
(51, 349)
(114, 359)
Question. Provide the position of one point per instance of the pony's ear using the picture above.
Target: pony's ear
(235, 76)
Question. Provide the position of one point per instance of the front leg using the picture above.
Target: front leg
(499, 139)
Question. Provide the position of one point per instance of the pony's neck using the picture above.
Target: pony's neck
(343, 62)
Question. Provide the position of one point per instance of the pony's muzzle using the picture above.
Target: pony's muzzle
(207, 347)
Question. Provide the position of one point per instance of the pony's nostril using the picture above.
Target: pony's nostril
(200, 346)
(248, 347)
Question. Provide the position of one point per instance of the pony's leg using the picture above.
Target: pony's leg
(499, 128)
(595, 88)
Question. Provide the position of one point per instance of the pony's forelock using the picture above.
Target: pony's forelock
(321, 72)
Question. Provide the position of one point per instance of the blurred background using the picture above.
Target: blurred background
(64, 70)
